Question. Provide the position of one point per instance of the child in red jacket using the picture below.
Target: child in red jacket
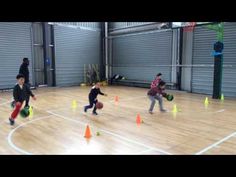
(156, 81)
(156, 93)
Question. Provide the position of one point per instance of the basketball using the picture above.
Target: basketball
(24, 113)
(169, 97)
(99, 105)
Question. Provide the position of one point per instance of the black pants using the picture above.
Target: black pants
(92, 101)
(27, 97)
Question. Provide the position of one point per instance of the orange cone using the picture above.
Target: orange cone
(87, 132)
(116, 98)
(138, 119)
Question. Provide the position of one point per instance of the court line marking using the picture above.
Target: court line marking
(40, 118)
(131, 98)
(4, 99)
(9, 137)
(221, 110)
(144, 151)
(114, 134)
(5, 103)
(25, 152)
(216, 143)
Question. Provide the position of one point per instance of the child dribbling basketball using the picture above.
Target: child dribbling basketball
(156, 93)
(20, 92)
(93, 98)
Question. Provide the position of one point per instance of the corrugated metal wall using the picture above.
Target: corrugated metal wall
(202, 77)
(137, 56)
(15, 44)
(38, 73)
(229, 58)
(73, 49)
(95, 25)
(117, 25)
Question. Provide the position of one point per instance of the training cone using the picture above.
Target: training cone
(31, 113)
(138, 119)
(87, 132)
(116, 99)
(175, 108)
(74, 104)
(206, 102)
(222, 98)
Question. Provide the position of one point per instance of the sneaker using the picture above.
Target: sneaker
(85, 110)
(12, 121)
(95, 113)
(163, 110)
(150, 112)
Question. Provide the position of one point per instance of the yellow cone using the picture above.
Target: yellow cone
(206, 101)
(74, 104)
(222, 98)
(175, 108)
(31, 113)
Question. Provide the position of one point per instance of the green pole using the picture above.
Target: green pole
(218, 69)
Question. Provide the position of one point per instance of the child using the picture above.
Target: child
(156, 81)
(93, 98)
(20, 92)
(157, 93)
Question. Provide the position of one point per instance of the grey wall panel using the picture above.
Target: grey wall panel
(117, 25)
(138, 56)
(142, 73)
(229, 58)
(187, 60)
(202, 77)
(95, 25)
(38, 54)
(15, 44)
(73, 49)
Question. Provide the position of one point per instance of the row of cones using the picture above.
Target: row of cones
(138, 118)
(206, 102)
(88, 133)
(74, 102)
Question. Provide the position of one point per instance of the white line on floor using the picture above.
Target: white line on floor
(9, 138)
(111, 133)
(215, 144)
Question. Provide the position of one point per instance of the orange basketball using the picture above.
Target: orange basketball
(99, 105)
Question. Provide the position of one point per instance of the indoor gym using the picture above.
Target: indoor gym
(199, 120)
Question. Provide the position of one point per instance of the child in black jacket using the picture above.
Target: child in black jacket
(93, 98)
(20, 92)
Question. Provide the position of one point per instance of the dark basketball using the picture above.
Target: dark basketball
(24, 113)
(169, 97)
(99, 105)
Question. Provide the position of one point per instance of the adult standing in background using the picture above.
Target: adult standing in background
(24, 69)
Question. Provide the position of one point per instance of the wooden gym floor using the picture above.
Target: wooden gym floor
(56, 128)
